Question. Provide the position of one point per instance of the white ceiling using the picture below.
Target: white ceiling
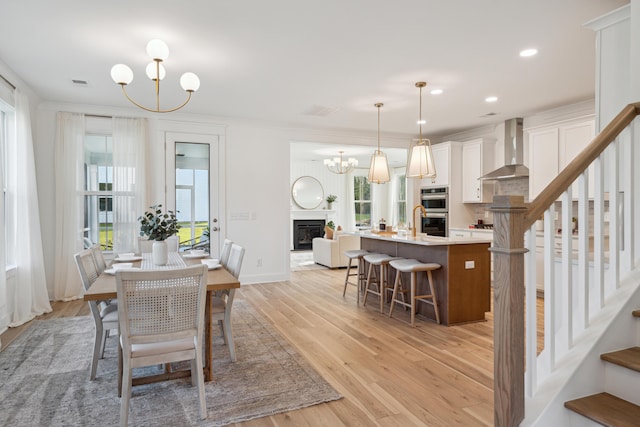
(280, 60)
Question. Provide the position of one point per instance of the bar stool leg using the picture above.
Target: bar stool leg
(367, 285)
(395, 293)
(346, 279)
(381, 288)
(413, 298)
(433, 297)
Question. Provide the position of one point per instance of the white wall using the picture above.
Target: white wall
(256, 179)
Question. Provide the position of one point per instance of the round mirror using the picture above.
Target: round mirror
(307, 192)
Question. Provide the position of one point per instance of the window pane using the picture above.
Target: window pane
(98, 221)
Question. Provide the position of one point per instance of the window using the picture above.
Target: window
(3, 171)
(362, 201)
(98, 190)
(401, 201)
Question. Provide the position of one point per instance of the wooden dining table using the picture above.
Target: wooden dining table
(104, 288)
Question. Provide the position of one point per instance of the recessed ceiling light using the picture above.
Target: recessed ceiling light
(436, 92)
(528, 52)
(491, 99)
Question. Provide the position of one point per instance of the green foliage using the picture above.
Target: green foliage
(331, 198)
(158, 225)
(331, 225)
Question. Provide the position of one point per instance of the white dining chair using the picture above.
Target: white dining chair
(145, 245)
(98, 257)
(224, 253)
(222, 301)
(161, 321)
(105, 315)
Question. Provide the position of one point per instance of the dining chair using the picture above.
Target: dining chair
(105, 316)
(161, 321)
(222, 301)
(98, 257)
(145, 245)
(224, 253)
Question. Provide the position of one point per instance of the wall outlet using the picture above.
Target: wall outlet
(259, 262)
(607, 218)
(468, 265)
(486, 214)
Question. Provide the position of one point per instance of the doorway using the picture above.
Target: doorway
(192, 188)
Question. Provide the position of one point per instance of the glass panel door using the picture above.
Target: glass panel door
(192, 189)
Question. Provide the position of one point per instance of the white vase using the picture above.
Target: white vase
(160, 253)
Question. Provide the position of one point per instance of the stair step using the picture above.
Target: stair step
(635, 313)
(629, 358)
(606, 409)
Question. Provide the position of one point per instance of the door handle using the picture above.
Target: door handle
(214, 229)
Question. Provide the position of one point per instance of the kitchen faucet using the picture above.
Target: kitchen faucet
(424, 214)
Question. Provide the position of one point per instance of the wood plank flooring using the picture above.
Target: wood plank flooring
(389, 373)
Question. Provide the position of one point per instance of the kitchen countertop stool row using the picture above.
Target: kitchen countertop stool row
(375, 280)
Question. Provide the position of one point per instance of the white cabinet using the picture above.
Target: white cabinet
(477, 160)
(442, 158)
(459, 233)
(552, 148)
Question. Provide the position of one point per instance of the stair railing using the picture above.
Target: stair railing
(577, 281)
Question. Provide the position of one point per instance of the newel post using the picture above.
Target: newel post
(508, 309)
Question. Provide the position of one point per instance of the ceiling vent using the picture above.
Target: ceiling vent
(78, 82)
(320, 111)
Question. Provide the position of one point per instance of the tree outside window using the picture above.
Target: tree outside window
(362, 201)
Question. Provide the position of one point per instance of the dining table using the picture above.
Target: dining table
(104, 288)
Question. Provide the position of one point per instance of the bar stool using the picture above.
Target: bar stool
(414, 267)
(356, 254)
(382, 262)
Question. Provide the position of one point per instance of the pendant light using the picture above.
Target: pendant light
(421, 163)
(379, 168)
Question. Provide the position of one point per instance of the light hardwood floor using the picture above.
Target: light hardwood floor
(389, 373)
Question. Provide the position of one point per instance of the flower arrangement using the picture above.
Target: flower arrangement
(331, 198)
(158, 225)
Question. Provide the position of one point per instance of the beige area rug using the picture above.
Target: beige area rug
(44, 379)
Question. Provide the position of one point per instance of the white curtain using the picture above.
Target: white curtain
(350, 218)
(69, 204)
(130, 145)
(31, 297)
(393, 199)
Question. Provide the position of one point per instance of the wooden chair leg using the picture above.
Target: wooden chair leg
(433, 297)
(395, 292)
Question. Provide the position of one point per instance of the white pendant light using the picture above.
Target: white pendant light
(421, 163)
(379, 168)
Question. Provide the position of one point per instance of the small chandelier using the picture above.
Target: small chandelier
(340, 166)
(158, 51)
(421, 163)
(379, 169)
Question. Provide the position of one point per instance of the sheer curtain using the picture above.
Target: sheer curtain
(31, 297)
(69, 204)
(130, 145)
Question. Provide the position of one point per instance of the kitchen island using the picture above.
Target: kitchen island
(463, 284)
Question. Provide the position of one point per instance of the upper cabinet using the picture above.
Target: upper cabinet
(477, 159)
(443, 155)
(552, 148)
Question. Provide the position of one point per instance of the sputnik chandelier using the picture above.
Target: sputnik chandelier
(158, 51)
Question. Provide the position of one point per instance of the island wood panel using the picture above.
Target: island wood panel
(464, 295)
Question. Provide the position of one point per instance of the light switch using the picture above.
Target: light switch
(468, 265)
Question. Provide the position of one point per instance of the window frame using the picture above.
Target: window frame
(362, 202)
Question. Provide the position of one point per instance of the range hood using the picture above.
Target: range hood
(513, 142)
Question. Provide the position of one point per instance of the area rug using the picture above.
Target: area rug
(44, 379)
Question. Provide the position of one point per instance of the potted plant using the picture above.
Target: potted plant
(330, 199)
(158, 226)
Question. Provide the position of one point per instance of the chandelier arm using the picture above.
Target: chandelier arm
(158, 110)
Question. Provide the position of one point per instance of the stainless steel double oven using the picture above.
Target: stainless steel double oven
(436, 201)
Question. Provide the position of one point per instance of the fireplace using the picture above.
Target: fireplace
(304, 230)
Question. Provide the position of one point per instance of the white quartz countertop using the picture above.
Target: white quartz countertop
(423, 239)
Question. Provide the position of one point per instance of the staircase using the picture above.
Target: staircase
(608, 409)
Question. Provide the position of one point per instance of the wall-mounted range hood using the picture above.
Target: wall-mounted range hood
(513, 142)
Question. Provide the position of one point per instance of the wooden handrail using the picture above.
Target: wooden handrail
(580, 163)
